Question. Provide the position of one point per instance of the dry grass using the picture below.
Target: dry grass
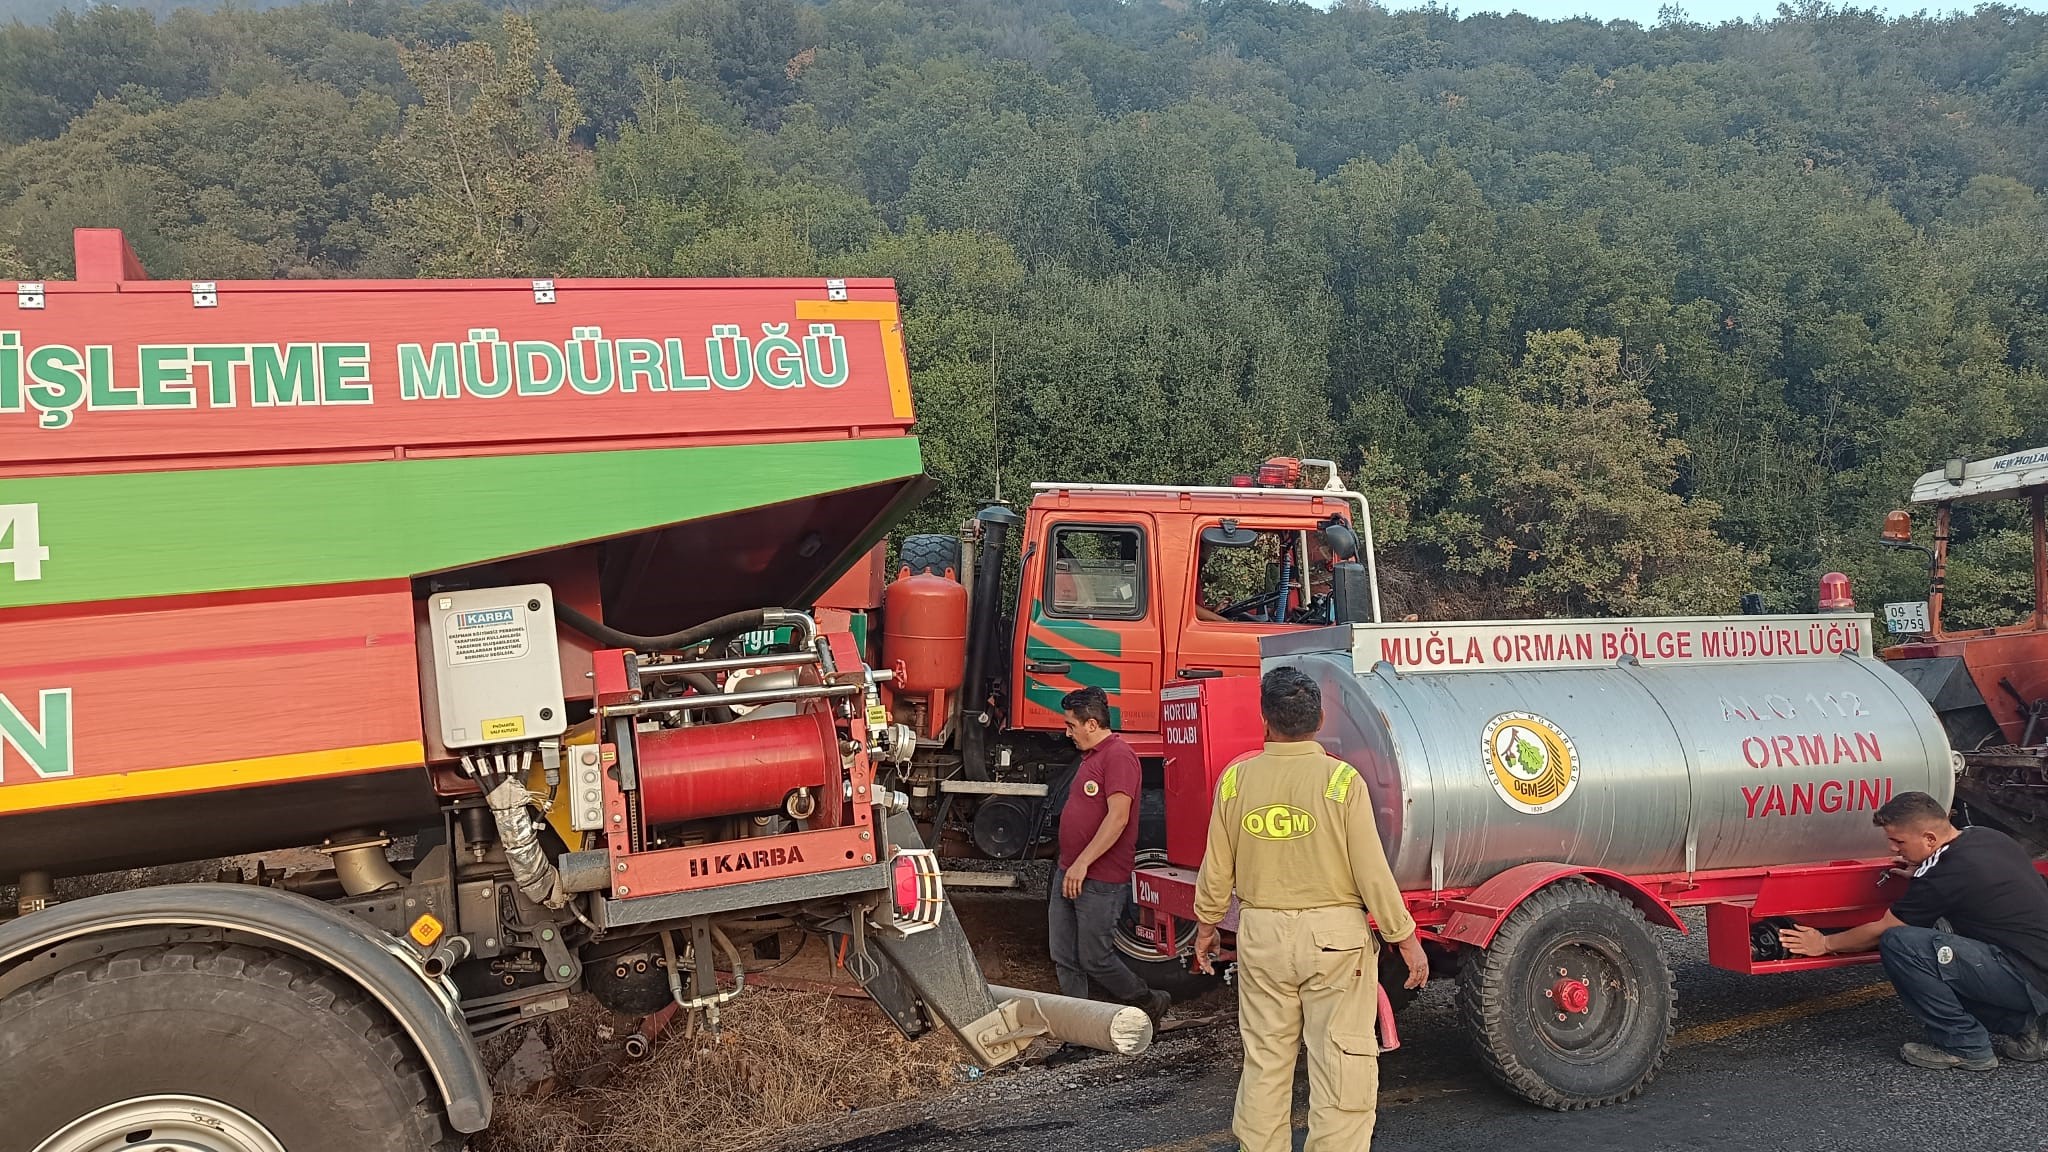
(784, 1059)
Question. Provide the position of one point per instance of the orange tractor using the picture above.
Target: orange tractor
(1989, 685)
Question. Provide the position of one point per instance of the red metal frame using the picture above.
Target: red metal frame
(661, 871)
(1831, 895)
(1476, 916)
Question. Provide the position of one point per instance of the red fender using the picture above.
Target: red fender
(1478, 914)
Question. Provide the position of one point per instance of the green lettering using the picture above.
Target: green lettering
(678, 382)
(640, 360)
(343, 367)
(166, 378)
(524, 353)
(57, 385)
(10, 372)
(220, 361)
(281, 377)
(420, 378)
(47, 751)
(101, 392)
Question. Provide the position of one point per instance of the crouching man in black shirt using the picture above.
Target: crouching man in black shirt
(1989, 973)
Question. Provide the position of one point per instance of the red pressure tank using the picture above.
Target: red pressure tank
(924, 629)
(736, 769)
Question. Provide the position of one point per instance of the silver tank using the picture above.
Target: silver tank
(1642, 769)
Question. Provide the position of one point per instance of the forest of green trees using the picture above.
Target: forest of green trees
(1608, 318)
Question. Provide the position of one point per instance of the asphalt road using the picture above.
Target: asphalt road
(1804, 1063)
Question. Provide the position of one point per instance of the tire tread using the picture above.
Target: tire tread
(318, 988)
(1484, 1006)
(930, 552)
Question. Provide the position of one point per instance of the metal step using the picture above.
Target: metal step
(979, 879)
(991, 788)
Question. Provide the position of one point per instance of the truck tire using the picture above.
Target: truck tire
(930, 553)
(211, 1048)
(1572, 1005)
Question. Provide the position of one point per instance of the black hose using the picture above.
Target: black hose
(706, 686)
(752, 620)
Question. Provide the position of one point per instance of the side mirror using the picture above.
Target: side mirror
(1898, 531)
(1229, 536)
(1342, 540)
(1351, 593)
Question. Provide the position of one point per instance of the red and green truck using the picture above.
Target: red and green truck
(452, 579)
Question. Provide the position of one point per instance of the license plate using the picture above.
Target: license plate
(1907, 619)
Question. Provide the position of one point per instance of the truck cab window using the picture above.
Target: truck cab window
(1256, 576)
(1097, 573)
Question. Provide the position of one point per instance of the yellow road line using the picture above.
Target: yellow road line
(1708, 1033)
(1716, 1030)
(79, 790)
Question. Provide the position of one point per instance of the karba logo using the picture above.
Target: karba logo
(1279, 822)
(487, 618)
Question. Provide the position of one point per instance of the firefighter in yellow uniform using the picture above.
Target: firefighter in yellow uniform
(1292, 832)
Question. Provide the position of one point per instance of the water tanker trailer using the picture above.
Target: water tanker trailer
(464, 566)
(1546, 791)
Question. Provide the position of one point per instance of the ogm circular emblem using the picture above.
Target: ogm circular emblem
(1533, 764)
(1091, 787)
(1279, 822)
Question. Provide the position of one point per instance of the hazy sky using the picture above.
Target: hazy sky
(1645, 11)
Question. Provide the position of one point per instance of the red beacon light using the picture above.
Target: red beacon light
(1241, 481)
(1280, 472)
(917, 896)
(1835, 595)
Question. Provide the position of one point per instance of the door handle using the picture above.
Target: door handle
(1199, 673)
(1050, 667)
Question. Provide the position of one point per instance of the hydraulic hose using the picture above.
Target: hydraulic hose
(706, 686)
(734, 623)
(524, 853)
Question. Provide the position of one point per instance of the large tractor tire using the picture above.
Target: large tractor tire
(939, 555)
(210, 1048)
(1572, 1005)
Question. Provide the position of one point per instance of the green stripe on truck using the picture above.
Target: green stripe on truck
(139, 534)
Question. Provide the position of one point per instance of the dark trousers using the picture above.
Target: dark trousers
(1963, 990)
(1080, 934)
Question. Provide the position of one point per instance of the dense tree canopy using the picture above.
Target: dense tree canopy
(1609, 318)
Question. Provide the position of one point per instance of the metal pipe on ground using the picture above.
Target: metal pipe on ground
(639, 1043)
(1105, 1027)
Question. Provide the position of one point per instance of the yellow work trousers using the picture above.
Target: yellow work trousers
(1307, 975)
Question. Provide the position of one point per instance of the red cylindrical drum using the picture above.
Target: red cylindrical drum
(924, 628)
(735, 769)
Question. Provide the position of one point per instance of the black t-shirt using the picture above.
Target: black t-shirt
(1985, 885)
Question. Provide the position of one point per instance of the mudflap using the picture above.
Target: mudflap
(934, 973)
(889, 989)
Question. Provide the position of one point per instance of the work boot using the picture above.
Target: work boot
(1155, 1006)
(1941, 1059)
(2029, 1047)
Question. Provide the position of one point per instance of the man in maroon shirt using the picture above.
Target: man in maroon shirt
(1098, 847)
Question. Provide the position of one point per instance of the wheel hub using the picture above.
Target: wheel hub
(1572, 995)
(1577, 995)
(166, 1123)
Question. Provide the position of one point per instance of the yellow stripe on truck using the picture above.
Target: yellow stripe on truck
(74, 791)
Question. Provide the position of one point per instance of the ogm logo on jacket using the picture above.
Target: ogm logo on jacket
(1279, 822)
